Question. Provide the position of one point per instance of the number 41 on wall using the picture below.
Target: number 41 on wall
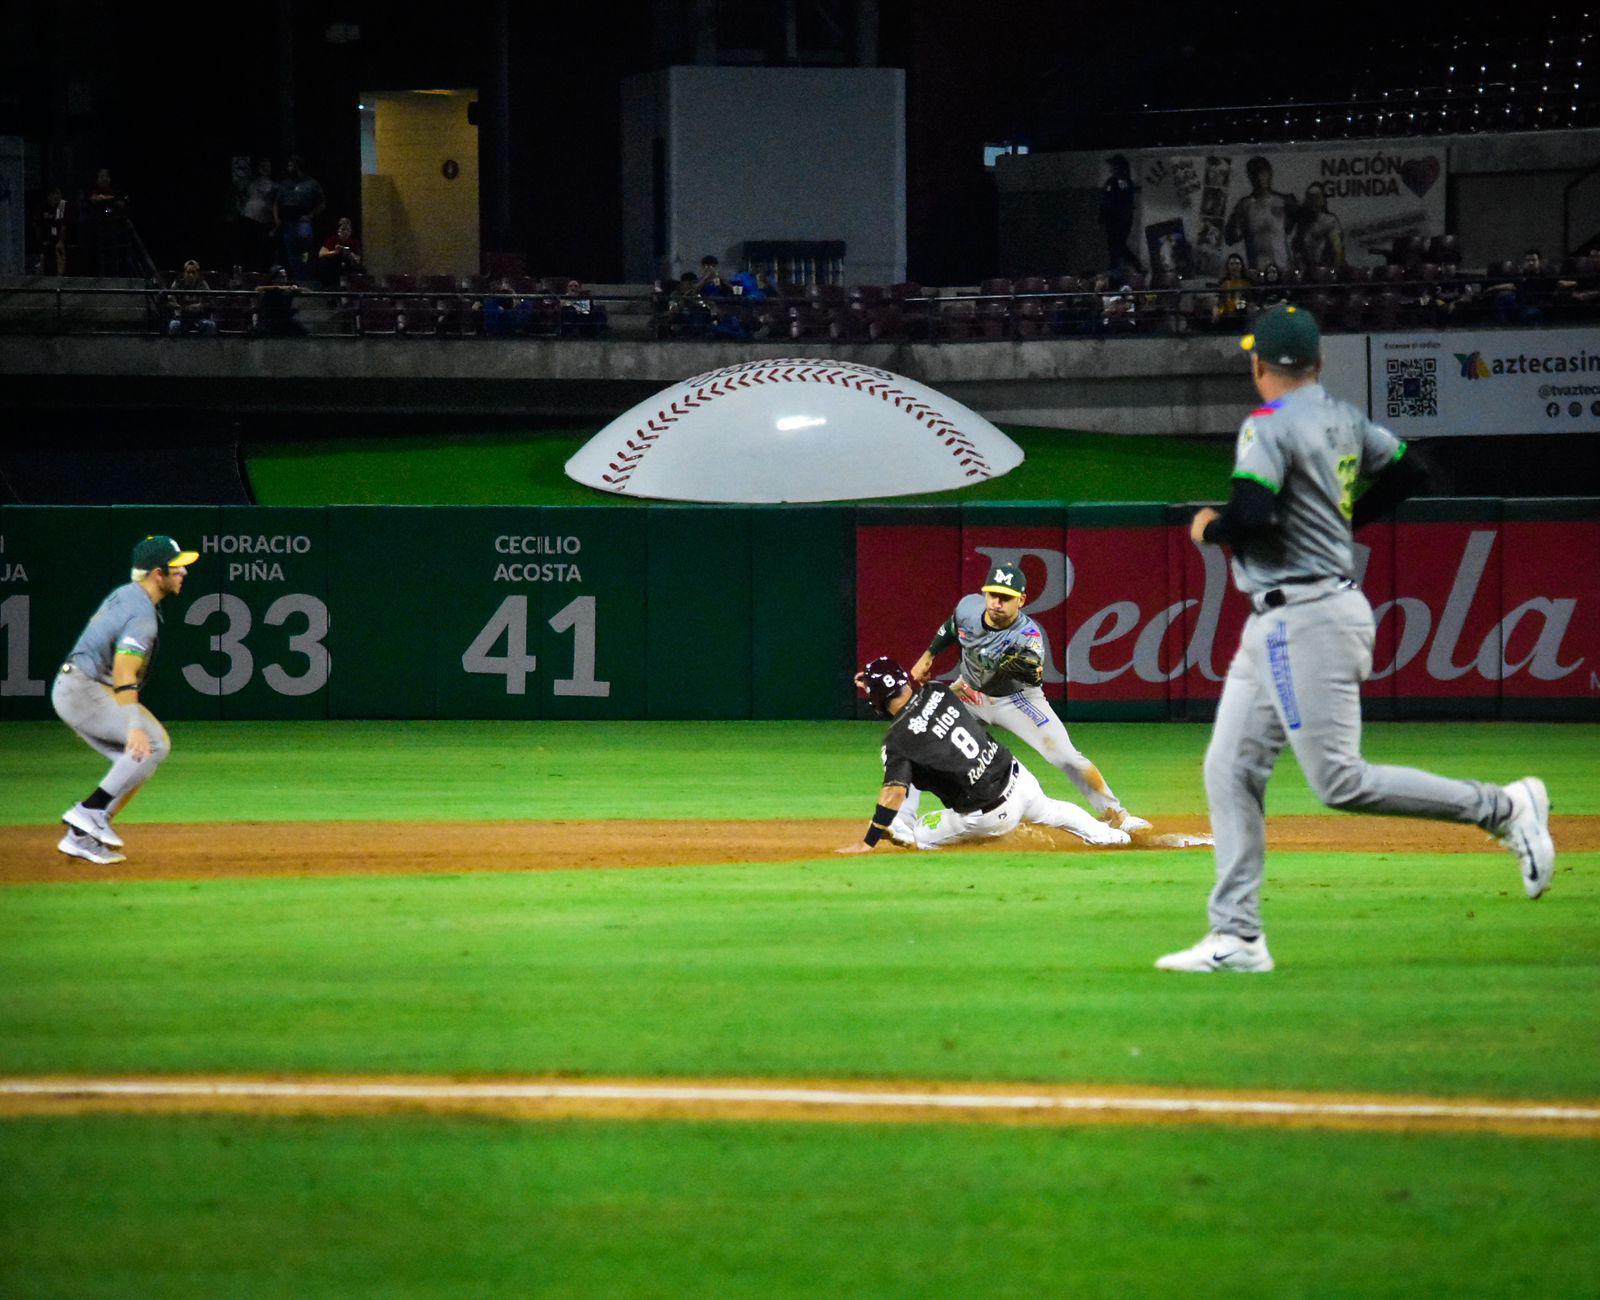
(511, 620)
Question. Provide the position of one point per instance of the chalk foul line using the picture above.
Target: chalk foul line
(744, 1100)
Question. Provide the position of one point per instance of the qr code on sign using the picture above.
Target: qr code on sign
(1413, 386)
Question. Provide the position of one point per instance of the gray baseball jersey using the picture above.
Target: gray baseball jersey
(983, 646)
(1309, 449)
(127, 622)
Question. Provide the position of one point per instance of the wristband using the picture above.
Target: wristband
(126, 686)
(882, 817)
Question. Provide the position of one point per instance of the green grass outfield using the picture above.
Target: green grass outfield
(525, 468)
(407, 1207)
(1426, 973)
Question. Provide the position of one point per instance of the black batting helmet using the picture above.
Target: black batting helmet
(881, 680)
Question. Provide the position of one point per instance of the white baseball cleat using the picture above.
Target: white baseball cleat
(1526, 832)
(77, 845)
(1124, 820)
(1220, 952)
(95, 822)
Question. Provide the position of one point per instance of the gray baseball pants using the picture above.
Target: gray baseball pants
(1297, 678)
(90, 709)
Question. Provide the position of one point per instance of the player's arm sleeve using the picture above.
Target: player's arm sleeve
(138, 634)
(1406, 474)
(896, 766)
(1251, 513)
(1259, 468)
(944, 637)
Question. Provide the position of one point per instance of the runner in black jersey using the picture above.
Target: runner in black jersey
(937, 744)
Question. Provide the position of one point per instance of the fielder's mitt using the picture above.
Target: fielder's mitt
(1021, 665)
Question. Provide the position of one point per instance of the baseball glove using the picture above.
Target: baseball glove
(1021, 665)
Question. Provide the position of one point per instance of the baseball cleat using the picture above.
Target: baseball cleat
(1102, 835)
(76, 845)
(1526, 832)
(1124, 820)
(95, 822)
(1220, 952)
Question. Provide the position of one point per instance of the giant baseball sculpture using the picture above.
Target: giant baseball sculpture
(793, 430)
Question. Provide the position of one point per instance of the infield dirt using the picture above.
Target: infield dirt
(255, 849)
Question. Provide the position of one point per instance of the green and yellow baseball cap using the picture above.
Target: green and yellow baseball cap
(1285, 336)
(1007, 579)
(158, 551)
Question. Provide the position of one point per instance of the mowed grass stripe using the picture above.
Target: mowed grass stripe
(711, 1099)
(223, 772)
(441, 1206)
(1403, 973)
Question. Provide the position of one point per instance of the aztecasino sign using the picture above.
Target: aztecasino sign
(1474, 618)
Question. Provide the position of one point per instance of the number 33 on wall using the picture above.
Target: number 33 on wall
(511, 621)
(241, 663)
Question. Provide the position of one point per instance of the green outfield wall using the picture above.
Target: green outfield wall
(1486, 608)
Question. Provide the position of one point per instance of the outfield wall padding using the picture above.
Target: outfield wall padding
(1486, 608)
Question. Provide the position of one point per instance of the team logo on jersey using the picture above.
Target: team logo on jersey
(917, 725)
(1247, 435)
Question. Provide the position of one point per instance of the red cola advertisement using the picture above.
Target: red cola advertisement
(1484, 609)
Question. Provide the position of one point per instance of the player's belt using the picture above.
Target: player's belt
(1299, 589)
(1010, 785)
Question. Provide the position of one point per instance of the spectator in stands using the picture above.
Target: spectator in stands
(275, 308)
(1318, 234)
(113, 243)
(1118, 310)
(1232, 302)
(1273, 289)
(50, 242)
(191, 309)
(688, 314)
(340, 255)
(1263, 218)
(298, 204)
(711, 284)
(256, 221)
(581, 316)
(1525, 299)
(1116, 216)
(506, 313)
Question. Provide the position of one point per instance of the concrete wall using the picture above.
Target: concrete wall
(418, 220)
(767, 153)
(1177, 386)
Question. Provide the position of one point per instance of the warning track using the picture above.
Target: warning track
(787, 1100)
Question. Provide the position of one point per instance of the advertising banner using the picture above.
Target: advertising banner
(1494, 381)
(1476, 617)
(1286, 207)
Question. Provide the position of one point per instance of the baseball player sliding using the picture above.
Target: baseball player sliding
(96, 693)
(937, 744)
(1002, 669)
(1307, 646)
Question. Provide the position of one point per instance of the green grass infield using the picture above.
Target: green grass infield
(425, 1208)
(428, 771)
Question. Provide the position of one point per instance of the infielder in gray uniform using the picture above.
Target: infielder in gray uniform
(1307, 647)
(96, 693)
(1002, 669)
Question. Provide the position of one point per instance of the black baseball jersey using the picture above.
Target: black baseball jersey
(937, 744)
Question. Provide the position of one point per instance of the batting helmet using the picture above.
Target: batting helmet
(882, 680)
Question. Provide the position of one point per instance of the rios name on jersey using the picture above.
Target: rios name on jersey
(936, 744)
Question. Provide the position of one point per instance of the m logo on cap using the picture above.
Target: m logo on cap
(1007, 579)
